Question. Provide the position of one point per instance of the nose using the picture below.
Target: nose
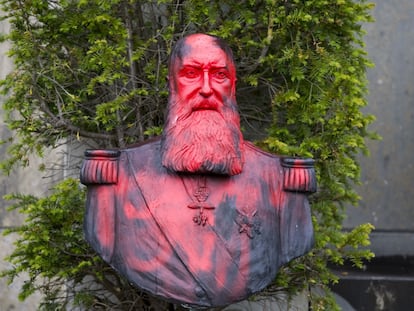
(206, 90)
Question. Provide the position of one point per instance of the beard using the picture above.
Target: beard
(203, 140)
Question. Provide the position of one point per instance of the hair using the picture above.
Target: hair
(181, 49)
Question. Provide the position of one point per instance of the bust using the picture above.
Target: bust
(198, 216)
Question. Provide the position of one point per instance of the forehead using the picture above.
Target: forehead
(203, 51)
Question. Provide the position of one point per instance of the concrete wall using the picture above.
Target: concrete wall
(388, 174)
(387, 282)
(26, 181)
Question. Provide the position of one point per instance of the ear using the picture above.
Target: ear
(171, 84)
(233, 88)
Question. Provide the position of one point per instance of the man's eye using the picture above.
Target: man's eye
(191, 74)
(220, 75)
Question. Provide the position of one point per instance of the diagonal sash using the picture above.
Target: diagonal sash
(200, 248)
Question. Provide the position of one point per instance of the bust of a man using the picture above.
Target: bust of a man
(200, 216)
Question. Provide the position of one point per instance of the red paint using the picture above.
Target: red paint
(202, 131)
(205, 75)
(200, 217)
(159, 247)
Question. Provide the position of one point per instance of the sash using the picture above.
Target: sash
(201, 249)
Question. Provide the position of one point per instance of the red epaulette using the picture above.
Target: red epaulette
(100, 167)
(299, 175)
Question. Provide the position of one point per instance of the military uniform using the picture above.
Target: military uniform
(201, 240)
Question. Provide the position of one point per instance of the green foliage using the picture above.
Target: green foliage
(59, 263)
(51, 237)
(95, 71)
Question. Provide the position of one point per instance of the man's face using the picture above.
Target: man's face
(202, 131)
(204, 80)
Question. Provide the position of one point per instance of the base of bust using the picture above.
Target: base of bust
(278, 302)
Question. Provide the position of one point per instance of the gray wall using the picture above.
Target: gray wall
(388, 174)
(21, 181)
(24, 180)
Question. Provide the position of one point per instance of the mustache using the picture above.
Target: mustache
(185, 109)
(205, 104)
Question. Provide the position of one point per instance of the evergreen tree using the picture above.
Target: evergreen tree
(94, 71)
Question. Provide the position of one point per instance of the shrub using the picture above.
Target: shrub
(94, 71)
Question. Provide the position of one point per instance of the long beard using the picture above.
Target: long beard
(203, 141)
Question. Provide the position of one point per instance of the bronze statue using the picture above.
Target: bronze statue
(199, 216)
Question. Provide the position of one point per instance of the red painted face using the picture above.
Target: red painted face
(202, 131)
(205, 78)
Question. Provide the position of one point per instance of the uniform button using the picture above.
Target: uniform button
(199, 292)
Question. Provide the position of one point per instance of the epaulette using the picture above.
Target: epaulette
(299, 175)
(100, 167)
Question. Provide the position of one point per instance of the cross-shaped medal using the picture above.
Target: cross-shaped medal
(248, 223)
(201, 194)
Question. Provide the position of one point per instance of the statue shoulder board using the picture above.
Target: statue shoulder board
(100, 167)
(299, 175)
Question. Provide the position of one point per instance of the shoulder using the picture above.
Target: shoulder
(147, 147)
(298, 173)
(101, 166)
(254, 153)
